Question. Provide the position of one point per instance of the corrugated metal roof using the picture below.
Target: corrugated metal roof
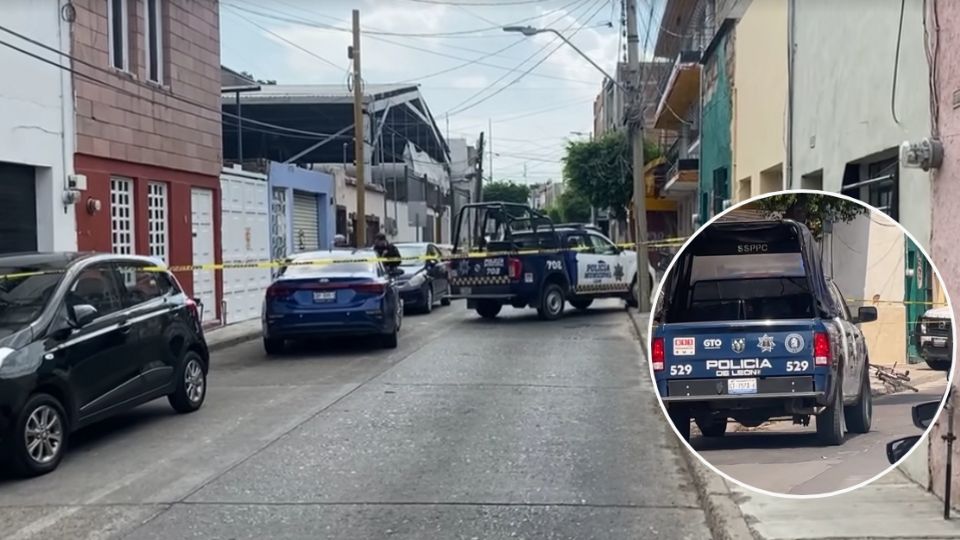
(318, 93)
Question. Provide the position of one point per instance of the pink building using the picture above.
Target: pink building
(943, 23)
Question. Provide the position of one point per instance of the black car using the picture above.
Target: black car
(425, 279)
(84, 337)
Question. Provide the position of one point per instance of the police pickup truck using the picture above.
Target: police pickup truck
(749, 329)
(510, 254)
(935, 338)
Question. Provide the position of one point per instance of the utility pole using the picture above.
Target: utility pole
(635, 124)
(490, 131)
(478, 196)
(358, 150)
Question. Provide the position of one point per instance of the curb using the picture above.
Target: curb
(230, 342)
(723, 516)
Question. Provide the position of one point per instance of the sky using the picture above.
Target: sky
(537, 92)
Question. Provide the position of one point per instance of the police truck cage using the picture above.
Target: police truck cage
(492, 227)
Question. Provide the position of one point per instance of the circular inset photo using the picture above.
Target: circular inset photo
(801, 343)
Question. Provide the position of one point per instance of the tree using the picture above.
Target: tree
(602, 170)
(574, 206)
(810, 209)
(260, 81)
(501, 191)
(554, 213)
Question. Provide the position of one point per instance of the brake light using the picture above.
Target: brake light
(514, 268)
(369, 288)
(278, 291)
(658, 353)
(192, 307)
(821, 349)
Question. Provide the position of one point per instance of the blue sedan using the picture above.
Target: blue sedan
(338, 296)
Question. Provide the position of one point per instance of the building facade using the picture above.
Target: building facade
(944, 47)
(148, 133)
(846, 131)
(716, 152)
(759, 99)
(36, 131)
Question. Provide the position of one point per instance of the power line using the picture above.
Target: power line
(490, 4)
(287, 41)
(526, 72)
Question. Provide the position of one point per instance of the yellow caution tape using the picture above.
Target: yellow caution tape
(281, 263)
(903, 302)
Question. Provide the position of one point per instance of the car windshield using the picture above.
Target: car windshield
(409, 252)
(23, 294)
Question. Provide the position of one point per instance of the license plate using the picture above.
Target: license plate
(465, 290)
(742, 386)
(939, 342)
(326, 296)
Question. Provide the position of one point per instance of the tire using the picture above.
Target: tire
(488, 309)
(938, 365)
(427, 299)
(445, 301)
(390, 341)
(581, 304)
(273, 346)
(830, 420)
(191, 390)
(551, 302)
(45, 455)
(714, 427)
(634, 294)
(680, 418)
(860, 416)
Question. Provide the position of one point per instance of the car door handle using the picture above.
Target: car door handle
(124, 327)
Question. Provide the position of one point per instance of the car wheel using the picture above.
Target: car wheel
(191, 388)
(680, 418)
(445, 301)
(273, 346)
(632, 298)
(713, 427)
(551, 302)
(427, 298)
(391, 340)
(581, 304)
(488, 309)
(830, 420)
(41, 436)
(859, 417)
(939, 365)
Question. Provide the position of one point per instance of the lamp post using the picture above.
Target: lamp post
(635, 125)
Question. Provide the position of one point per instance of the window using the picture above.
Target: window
(838, 298)
(153, 37)
(96, 286)
(121, 216)
(157, 220)
(579, 243)
(146, 284)
(117, 21)
(876, 182)
(720, 189)
(602, 246)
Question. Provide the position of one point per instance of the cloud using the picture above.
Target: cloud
(470, 82)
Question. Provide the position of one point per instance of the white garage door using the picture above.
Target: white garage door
(245, 239)
(306, 222)
(204, 283)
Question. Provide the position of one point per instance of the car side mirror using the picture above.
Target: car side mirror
(897, 449)
(924, 413)
(82, 315)
(866, 314)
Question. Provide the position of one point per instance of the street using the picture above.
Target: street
(784, 458)
(470, 429)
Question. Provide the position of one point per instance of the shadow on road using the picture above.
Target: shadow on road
(529, 316)
(761, 440)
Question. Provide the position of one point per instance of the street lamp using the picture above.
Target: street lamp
(531, 31)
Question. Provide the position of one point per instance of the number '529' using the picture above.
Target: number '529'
(681, 369)
(797, 365)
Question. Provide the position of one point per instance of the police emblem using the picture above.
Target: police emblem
(618, 272)
(794, 343)
(738, 345)
(766, 343)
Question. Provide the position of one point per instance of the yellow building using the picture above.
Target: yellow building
(759, 99)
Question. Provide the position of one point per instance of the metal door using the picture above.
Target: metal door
(917, 295)
(245, 238)
(18, 208)
(306, 222)
(204, 284)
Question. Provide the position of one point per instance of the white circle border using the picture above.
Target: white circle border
(926, 433)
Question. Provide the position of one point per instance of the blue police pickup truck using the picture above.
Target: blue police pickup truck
(510, 254)
(749, 328)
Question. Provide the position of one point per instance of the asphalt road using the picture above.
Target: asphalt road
(784, 458)
(514, 428)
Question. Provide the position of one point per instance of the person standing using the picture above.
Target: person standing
(386, 250)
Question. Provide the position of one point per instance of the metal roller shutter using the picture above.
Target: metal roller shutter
(306, 222)
(18, 209)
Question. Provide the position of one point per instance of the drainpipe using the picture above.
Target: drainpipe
(791, 56)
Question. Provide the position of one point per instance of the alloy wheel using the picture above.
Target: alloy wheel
(194, 382)
(43, 434)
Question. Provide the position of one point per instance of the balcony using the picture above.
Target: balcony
(683, 175)
(681, 92)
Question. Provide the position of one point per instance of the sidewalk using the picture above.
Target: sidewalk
(221, 337)
(891, 507)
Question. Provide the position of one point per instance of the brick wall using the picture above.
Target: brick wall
(132, 119)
